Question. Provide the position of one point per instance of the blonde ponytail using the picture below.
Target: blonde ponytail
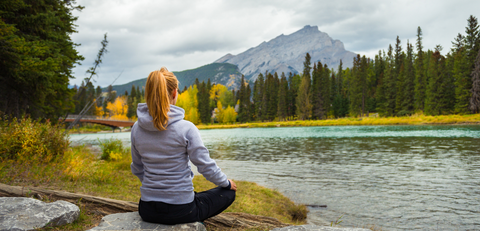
(158, 94)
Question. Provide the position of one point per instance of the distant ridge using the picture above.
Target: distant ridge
(223, 73)
(286, 53)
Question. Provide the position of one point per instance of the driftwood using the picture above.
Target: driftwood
(241, 221)
(111, 205)
(317, 206)
(104, 206)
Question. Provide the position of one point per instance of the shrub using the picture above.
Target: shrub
(31, 140)
(112, 149)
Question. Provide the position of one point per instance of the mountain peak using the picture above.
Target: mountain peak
(308, 27)
(286, 53)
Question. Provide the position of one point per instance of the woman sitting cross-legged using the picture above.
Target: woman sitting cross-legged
(162, 145)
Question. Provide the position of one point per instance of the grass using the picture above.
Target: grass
(258, 200)
(80, 171)
(417, 119)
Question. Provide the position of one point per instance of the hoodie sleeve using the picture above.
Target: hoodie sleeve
(137, 165)
(200, 157)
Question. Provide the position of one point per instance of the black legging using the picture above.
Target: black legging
(205, 205)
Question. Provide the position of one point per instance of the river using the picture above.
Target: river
(393, 177)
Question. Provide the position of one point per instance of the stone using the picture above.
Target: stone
(133, 221)
(23, 213)
(317, 228)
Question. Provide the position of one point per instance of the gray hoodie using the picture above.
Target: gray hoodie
(160, 159)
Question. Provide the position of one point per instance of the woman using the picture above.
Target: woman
(162, 145)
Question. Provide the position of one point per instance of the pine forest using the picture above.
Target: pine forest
(402, 80)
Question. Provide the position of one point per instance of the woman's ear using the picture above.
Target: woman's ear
(174, 96)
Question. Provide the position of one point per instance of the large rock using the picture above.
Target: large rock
(133, 221)
(22, 213)
(317, 228)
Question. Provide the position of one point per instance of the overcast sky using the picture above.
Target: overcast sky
(145, 35)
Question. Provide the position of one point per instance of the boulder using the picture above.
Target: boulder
(133, 221)
(23, 213)
(317, 228)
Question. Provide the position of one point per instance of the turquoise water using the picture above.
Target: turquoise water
(394, 177)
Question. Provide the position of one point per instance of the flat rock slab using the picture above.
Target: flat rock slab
(23, 213)
(133, 221)
(317, 228)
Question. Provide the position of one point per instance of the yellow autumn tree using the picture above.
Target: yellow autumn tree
(188, 101)
(118, 109)
(227, 115)
(221, 93)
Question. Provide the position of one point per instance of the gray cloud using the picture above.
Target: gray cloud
(145, 34)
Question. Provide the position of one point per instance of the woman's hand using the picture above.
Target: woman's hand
(233, 186)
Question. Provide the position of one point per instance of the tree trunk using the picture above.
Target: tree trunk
(19, 191)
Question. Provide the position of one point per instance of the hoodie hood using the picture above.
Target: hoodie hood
(145, 120)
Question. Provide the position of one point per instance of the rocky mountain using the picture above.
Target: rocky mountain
(223, 73)
(286, 53)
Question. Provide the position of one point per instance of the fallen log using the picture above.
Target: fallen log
(234, 221)
(19, 191)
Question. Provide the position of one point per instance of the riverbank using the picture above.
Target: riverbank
(349, 121)
(406, 120)
(79, 171)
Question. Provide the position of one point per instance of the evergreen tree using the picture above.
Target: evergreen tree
(315, 95)
(81, 98)
(397, 72)
(197, 82)
(131, 102)
(273, 96)
(243, 107)
(464, 63)
(247, 102)
(266, 96)
(258, 92)
(436, 102)
(475, 99)
(98, 92)
(372, 83)
(363, 82)
(390, 89)
(325, 91)
(282, 98)
(139, 95)
(356, 88)
(449, 84)
(293, 86)
(37, 56)
(408, 103)
(304, 106)
(400, 98)
(211, 104)
(380, 93)
(250, 105)
(338, 106)
(472, 40)
(420, 81)
(204, 104)
(90, 97)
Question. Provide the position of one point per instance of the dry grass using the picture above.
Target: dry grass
(258, 200)
(416, 119)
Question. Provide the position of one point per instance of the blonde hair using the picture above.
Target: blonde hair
(158, 94)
